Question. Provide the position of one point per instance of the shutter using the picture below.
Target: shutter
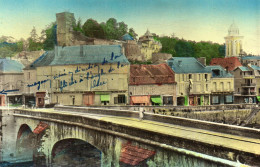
(115, 100)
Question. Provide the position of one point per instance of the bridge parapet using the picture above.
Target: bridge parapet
(160, 131)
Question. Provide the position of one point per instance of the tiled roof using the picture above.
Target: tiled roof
(151, 74)
(222, 72)
(88, 54)
(40, 127)
(250, 57)
(7, 65)
(133, 155)
(229, 63)
(43, 60)
(186, 65)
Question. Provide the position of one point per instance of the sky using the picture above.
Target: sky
(197, 20)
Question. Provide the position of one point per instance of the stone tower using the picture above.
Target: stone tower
(233, 42)
(65, 23)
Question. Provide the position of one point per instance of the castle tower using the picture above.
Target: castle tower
(233, 41)
(65, 23)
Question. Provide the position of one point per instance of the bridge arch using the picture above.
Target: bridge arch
(25, 143)
(75, 152)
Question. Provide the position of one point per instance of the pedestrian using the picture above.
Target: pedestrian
(141, 113)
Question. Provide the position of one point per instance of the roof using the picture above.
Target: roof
(151, 74)
(134, 155)
(8, 65)
(80, 55)
(186, 65)
(88, 54)
(127, 37)
(229, 63)
(44, 60)
(250, 57)
(243, 68)
(255, 67)
(222, 72)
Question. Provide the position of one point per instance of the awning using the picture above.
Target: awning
(134, 155)
(156, 100)
(140, 99)
(105, 97)
(40, 127)
(258, 98)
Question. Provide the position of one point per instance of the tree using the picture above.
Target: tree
(78, 26)
(111, 29)
(132, 33)
(92, 29)
(51, 36)
(34, 37)
(122, 30)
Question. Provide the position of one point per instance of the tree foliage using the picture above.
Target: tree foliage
(111, 29)
(50, 37)
(92, 29)
(183, 48)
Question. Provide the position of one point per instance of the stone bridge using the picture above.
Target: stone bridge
(108, 137)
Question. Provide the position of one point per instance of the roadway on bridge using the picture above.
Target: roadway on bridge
(241, 143)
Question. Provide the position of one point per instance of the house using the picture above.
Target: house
(83, 75)
(245, 84)
(253, 60)
(228, 63)
(222, 85)
(149, 45)
(193, 81)
(30, 78)
(11, 82)
(152, 85)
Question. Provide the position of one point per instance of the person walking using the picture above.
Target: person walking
(141, 113)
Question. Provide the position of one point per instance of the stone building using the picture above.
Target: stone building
(222, 85)
(149, 45)
(132, 49)
(245, 84)
(193, 81)
(83, 75)
(152, 85)
(253, 60)
(11, 82)
(233, 42)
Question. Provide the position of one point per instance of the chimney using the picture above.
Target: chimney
(202, 60)
(179, 62)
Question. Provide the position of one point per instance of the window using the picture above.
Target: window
(221, 86)
(168, 100)
(216, 73)
(207, 87)
(258, 90)
(206, 77)
(238, 90)
(190, 76)
(199, 78)
(120, 99)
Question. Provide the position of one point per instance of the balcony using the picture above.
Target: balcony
(248, 85)
(248, 76)
(249, 93)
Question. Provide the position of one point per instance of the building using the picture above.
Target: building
(222, 85)
(11, 82)
(228, 63)
(245, 84)
(193, 81)
(30, 78)
(83, 75)
(132, 49)
(253, 60)
(233, 42)
(152, 85)
(149, 45)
